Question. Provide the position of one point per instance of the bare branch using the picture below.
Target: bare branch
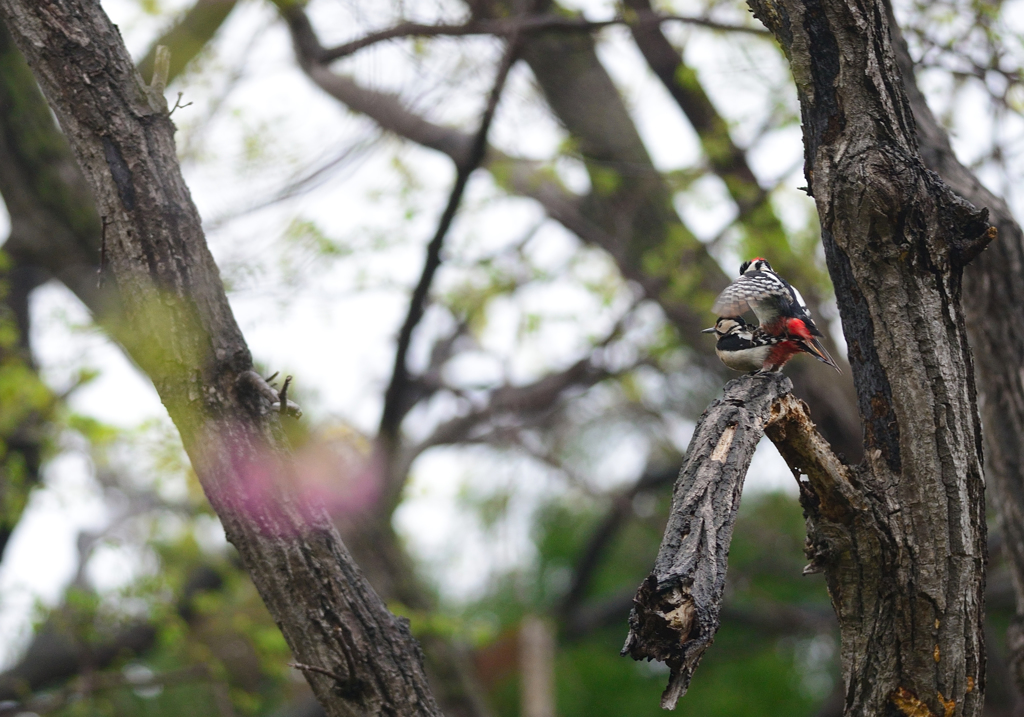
(522, 401)
(385, 109)
(524, 177)
(676, 610)
(611, 142)
(395, 407)
(537, 23)
(808, 453)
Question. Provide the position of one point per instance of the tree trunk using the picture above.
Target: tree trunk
(179, 328)
(906, 572)
(993, 291)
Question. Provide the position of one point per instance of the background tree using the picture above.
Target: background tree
(632, 370)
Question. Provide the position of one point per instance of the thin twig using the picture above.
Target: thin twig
(509, 27)
(283, 395)
(178, 105)
(394, 407)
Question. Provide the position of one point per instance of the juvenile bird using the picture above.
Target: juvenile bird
(779, 308)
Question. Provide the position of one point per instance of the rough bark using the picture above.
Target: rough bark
(54, 224)
(675, 611)
(358, 657)
(905, 564)
(47, 237)
(380, 555)
(55, 231)
(993, 291)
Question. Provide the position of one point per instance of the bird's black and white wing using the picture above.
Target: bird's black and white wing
(763, 292)
(800, 311)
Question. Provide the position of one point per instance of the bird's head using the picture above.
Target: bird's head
(755, 264)
(726, 326)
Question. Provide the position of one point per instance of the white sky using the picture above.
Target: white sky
(339, 341)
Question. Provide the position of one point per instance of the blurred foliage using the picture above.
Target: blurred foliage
(592, 679)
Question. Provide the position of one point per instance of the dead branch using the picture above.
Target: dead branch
(676, 610)
(807, 453)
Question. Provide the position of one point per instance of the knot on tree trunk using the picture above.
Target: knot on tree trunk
(889, 203)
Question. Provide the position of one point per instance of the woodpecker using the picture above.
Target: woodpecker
(744, 347)
(779, 307)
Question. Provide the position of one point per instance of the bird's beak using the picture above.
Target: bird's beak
(818, 351)
(709, 331)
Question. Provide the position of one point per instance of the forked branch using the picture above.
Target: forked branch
(676, 610)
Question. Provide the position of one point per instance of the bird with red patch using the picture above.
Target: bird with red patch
(745, 347)
(779, 308)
